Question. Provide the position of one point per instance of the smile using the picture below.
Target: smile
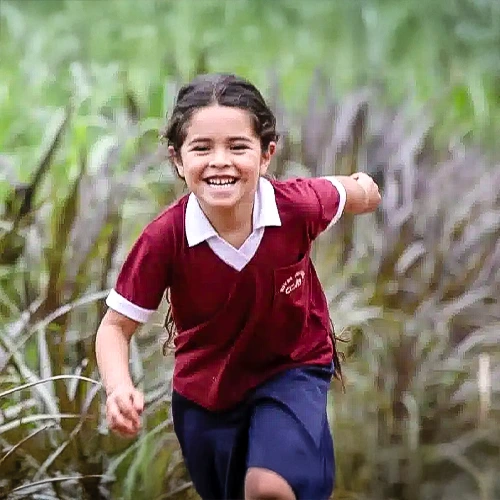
(221, 181)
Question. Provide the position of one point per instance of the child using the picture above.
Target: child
(253, 351)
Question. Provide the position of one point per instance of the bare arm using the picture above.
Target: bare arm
(112, 349)
(124, 403)
(362, 193)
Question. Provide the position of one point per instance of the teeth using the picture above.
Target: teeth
(221, 182)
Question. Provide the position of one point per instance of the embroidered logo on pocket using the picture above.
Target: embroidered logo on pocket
(293, 282)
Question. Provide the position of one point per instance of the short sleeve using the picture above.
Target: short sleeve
(143, 278)
(327, 202)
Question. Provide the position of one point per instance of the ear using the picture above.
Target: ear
(266, 157)
(175, 158)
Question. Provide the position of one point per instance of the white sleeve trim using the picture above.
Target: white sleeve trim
(343, 198)
(120, 304)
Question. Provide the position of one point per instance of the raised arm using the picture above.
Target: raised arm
(321, 201)
(362, 193)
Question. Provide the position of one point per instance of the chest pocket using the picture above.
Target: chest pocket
(290, 305)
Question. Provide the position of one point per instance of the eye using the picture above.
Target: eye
(200, 148)
(239, 147)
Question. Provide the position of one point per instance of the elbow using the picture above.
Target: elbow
(117, 324)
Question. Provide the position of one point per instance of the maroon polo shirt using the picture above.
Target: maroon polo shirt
(238, 324)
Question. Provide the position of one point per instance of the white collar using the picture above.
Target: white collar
(265, 213)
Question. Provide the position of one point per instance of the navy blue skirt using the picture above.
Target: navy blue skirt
(281, 426)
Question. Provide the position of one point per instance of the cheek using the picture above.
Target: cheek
(251, 164)
(193, 167)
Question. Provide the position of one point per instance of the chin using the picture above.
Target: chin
(220, 199)
(216, 202)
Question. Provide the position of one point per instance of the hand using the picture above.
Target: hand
(373, 197)
(124, 406)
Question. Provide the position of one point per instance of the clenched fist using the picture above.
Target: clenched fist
(373, 197)
(124, 407)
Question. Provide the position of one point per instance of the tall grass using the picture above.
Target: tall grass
(416, 286)
(413, 50)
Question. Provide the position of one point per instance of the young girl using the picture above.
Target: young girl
(253, 351)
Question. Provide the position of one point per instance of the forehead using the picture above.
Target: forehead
(220, 121)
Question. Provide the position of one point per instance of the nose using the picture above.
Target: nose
(220, 158)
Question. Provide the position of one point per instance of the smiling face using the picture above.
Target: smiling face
(221, 158)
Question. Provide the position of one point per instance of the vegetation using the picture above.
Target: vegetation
(407, 91)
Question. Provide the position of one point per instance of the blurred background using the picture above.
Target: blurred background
(406, 90)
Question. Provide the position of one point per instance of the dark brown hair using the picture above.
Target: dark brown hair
(224, 90)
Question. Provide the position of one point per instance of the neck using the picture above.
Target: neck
(226, 221)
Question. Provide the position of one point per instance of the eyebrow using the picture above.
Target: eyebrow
(240, 138)
(230, 139)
